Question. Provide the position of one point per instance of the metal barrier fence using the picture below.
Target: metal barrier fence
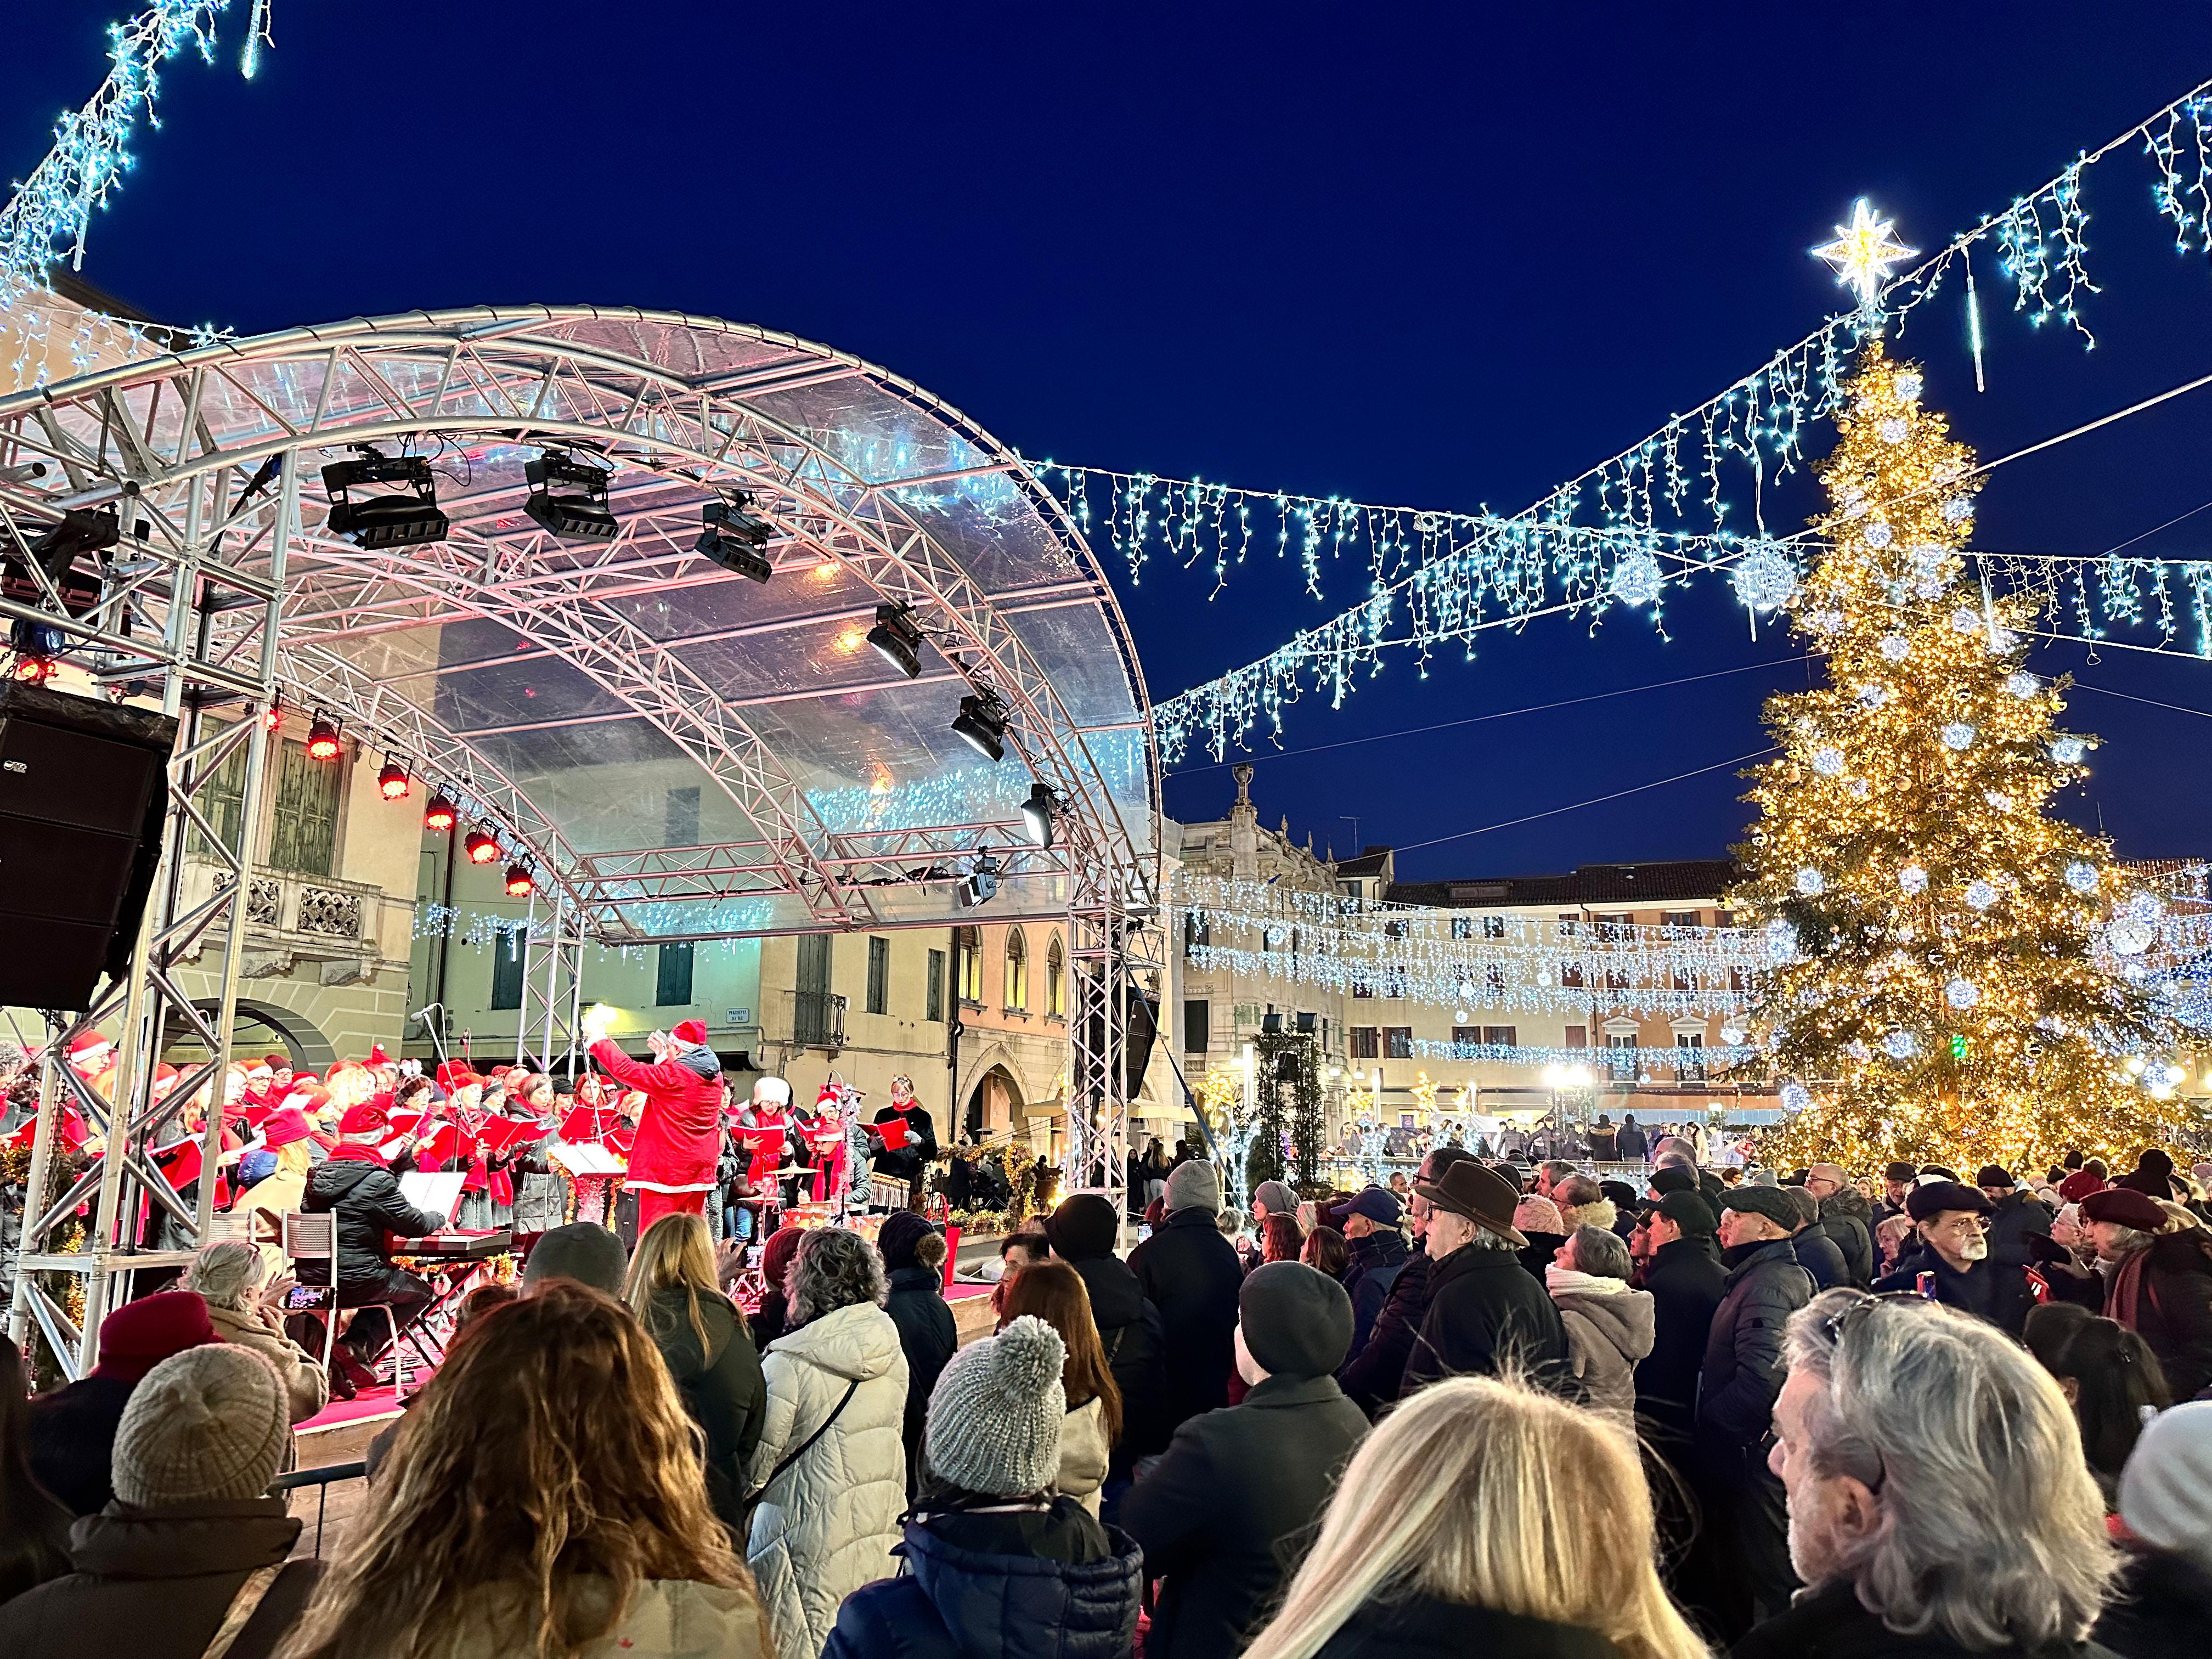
(321, 1479)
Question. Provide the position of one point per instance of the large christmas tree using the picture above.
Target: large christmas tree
(1936, 990)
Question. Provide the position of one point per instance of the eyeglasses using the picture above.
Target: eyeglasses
(1839, 1325)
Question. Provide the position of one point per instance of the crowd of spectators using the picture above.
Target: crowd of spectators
(1504, 1408)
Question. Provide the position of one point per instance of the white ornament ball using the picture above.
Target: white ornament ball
(1811, 883)
(1909, 386)
(1878, 534)
(2143, 906)
(1961, 993)
(1765, 579)
(1980, 895)
(1824, 622)
(2081, 875)
(1894, 429)
(1828, 762)
(2000, 803)
(1781, 940)
(1959, 509)
(1637, 578)
(1731, 1035)
(1964, 621)
(1900, 1045)
(1893, 647)
(2022, 684)
(1794, 1096)
(1913, 881)
(2068, 752)
(1958, 735)
(1858, 788)
(1873, 696)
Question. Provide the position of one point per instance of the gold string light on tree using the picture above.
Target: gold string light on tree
(1934, 988)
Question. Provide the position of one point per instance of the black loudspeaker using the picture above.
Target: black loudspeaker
(81, 808)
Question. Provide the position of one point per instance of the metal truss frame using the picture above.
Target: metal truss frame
(182, 618)
(549, 1033)
(198, 437)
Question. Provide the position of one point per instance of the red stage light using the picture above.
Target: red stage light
(273, 716)
(481, 847)
(519, 883)
(322, 740)
(441, 814)
(392, 782)
(33, 670)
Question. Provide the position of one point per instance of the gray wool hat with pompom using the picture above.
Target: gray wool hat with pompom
(995, 1416)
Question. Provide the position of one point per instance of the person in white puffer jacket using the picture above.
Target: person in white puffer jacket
(830, 1497)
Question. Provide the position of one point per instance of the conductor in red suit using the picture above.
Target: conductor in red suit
(671, 1162)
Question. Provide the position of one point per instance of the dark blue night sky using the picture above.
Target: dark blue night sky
(1443, 257)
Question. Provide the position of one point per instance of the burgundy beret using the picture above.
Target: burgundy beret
(2127, 1207)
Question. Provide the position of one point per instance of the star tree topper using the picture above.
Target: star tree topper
(1864, 251)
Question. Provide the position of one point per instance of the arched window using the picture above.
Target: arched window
(1055, 978)
(1018, 971)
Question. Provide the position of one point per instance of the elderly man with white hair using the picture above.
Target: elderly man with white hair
(1940, 1504)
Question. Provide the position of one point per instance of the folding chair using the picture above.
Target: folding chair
(314, 1238)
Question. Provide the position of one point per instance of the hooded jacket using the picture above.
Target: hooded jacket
(1135, 1340)
(828, 1524)
(1848, 1220)
(155, 1584)
(1609, 1332)
(680, 1130)
(965, 1593)
(365, 1200)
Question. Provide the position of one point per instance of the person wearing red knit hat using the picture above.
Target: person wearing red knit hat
(70, 1434)
(671, 1161)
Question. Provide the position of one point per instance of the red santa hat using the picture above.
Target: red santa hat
(827, 1097)
(283, 1128)
(377, 1056)
(453, 1074)
(364, 1118)
(89, 1049)
(692, 1032)
(277, 1062)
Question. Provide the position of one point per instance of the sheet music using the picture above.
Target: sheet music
(439, 1193)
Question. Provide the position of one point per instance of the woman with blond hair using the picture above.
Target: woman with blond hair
(544, 1499)
(1055, 1293)
(1484, 1516)
(676, 1296)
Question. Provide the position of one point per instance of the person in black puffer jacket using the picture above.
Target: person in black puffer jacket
(354, 1186)
(995, 1569)
(1191, 1274)
(925, 1324)
(1846, 1217)
(1081, 1231)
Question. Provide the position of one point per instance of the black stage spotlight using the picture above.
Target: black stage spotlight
(734, 538)
(405, 517)
(982, 725)
(1038, 812)
(898, 639)
(581, 514)
(981, 884)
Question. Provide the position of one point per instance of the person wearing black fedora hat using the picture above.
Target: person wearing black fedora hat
(1486, 1313)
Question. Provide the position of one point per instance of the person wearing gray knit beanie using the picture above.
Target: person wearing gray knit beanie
(1194, 1185)
(993, 1425)
(204, 1425)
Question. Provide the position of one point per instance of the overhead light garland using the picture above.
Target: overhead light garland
(1691, 490)
(46, 221)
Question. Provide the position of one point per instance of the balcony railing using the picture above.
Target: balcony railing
(818, 1019)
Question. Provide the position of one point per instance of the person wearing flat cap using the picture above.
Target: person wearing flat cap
(2158, 1283)
(1221, 1515)
(1953, 1265)
(1746, 1539)
(1486, 1312)
(2017, 1216)
(1375, 1252)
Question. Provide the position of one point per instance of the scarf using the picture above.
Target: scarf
(350, 1152)
(1576, 1282)
(2123, 1289)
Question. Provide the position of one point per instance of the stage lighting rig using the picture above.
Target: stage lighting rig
(579, 513)
(481, 847)
(441, 814)
(981, 725)
(55, 551)
(323, 744)
(519, 883)
(408, 516)
(733, 538)
(1040, 813)
(897, 638)
(981, 884)
(392, 782)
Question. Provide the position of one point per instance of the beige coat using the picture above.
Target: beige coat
(1084, 1453)
(305, 1385)
(667, 1618)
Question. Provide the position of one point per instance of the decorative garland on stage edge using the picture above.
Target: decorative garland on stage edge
(15, 1169)
(1023, 1178)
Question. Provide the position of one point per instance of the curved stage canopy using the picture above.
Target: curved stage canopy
(573, 694)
